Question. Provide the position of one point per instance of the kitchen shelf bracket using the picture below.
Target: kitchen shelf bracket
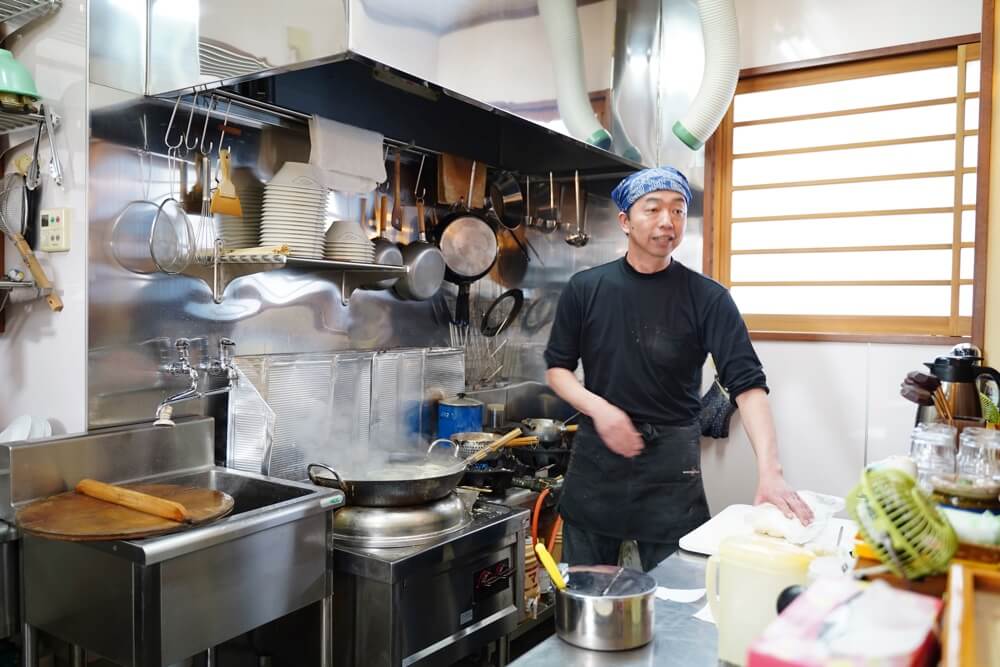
(8, 286)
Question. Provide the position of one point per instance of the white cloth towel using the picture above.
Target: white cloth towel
(351, 157)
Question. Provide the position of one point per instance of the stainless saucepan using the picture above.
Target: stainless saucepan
(606, 608)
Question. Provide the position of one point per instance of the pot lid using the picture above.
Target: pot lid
(399, 526)
(592, 580)
(460, 401)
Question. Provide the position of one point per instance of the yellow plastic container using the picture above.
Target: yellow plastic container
(743, 583)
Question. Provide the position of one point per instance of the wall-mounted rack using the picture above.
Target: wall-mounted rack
(43, 121)
(8, 286)
(16, 14)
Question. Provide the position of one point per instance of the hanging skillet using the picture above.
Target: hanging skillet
(469, 245)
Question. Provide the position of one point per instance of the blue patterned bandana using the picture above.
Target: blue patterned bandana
(650, 180)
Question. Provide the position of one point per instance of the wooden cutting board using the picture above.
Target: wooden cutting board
(453, 180)
(76, 517)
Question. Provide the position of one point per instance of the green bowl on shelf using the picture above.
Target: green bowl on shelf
(15, 77)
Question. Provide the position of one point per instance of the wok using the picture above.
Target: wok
(405, 480)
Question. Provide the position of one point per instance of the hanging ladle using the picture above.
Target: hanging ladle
(579, 238)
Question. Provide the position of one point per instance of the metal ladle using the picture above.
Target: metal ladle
(579, 238)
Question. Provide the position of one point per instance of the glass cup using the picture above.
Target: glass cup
(979, 456)
(932, 448)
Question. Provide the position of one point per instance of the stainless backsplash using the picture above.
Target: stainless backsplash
(134, 318)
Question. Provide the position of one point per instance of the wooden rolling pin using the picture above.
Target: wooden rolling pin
(141, 502)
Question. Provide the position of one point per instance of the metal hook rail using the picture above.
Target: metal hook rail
(263, 114)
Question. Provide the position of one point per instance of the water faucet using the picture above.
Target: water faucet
(223, 366)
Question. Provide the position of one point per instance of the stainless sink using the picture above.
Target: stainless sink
(260, 503)
(251, 492)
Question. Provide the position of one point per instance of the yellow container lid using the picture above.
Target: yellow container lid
(765, 553)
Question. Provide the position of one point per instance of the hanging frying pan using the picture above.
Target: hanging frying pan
(507, 199)
(469, 246)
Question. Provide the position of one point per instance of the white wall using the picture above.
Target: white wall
(781, 31)
(836, 406)
(44, 354)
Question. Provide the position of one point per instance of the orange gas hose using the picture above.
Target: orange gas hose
(555, 531)
(534, 516)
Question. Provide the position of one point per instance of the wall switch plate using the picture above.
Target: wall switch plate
(53, 230)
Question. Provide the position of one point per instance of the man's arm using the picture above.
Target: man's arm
(612, 424)
(771, 486)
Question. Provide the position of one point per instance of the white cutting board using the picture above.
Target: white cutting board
(731, 521)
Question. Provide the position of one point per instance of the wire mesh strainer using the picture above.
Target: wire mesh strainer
(13, 204)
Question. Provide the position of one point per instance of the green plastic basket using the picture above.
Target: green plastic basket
(901, 524)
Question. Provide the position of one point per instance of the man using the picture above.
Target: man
(643, 326)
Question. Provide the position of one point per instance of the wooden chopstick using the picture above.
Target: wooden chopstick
(941, 403)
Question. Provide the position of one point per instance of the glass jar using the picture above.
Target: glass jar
(979, 456)
(932, 448)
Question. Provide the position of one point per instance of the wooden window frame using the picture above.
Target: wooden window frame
(855, 65)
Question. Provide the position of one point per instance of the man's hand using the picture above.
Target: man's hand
(772, 488)
(617, 430)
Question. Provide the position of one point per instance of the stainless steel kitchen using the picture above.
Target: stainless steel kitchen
(474, 333)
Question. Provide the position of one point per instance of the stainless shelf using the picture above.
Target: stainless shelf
(25, 11)
(11, 121)
(227, 268)
(7, 286)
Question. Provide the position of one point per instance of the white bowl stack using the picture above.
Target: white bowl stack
(244, 232)
(346, 241)
(294, 212)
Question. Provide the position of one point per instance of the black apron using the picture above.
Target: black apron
(657, 496)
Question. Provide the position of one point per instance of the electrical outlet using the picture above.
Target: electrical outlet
(53, 230)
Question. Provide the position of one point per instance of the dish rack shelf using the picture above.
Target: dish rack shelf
(224, 269)
(26, 11)
(43, 121)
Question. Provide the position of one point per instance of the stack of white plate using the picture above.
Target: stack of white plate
(244, 232)
(346, 241)
(294, 211)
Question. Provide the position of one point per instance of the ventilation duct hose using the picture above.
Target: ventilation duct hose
(722, 70)
(562, 27)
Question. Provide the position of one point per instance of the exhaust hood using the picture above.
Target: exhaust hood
(371, 64)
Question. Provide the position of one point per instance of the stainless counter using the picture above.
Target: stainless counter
(678, 639)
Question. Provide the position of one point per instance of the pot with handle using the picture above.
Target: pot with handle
(386, 252)
(547, 430)
(425, 265)
(606, 608)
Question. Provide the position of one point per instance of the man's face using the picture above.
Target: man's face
(656, 222)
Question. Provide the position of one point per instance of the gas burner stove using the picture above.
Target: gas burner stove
(484, 516)
(432, 603)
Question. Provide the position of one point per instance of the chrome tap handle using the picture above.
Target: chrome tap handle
(183, 364)
(226, 348)
(183, 346)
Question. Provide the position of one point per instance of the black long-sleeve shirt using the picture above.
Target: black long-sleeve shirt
(643, 339)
